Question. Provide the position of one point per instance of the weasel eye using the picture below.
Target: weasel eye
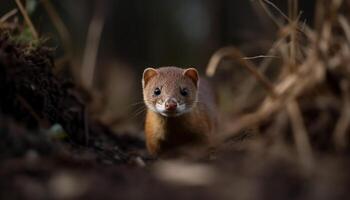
(184, 91)
(157, 92)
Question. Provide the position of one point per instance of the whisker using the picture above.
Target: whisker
(199, 102)
(139, 108)
(137, 103)
(139, 112)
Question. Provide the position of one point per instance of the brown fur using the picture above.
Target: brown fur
(192, 129)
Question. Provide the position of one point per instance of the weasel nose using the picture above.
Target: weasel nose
(170, 105)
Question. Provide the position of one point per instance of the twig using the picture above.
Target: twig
(235, 54)
(8, 15)
(300, 134)
(27, 19)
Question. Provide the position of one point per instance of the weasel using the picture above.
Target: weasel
(181, 110)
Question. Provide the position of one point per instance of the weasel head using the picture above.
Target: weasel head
(170, 91)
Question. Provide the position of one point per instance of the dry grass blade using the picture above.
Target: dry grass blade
(319, 14)
(280, 24)
(258, 57)
(345, 25)
(300, 135)
(325, 37)
(27, 19)
(235, 54)
(276, 8)
(91, 50)
(293, 12)
(269, 13)
(8, 15)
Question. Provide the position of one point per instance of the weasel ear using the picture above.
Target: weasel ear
(192, 73)
(147, 75)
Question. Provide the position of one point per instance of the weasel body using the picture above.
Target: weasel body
(181, 110)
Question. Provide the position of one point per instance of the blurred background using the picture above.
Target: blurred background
(293, 144)
(139, 34)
